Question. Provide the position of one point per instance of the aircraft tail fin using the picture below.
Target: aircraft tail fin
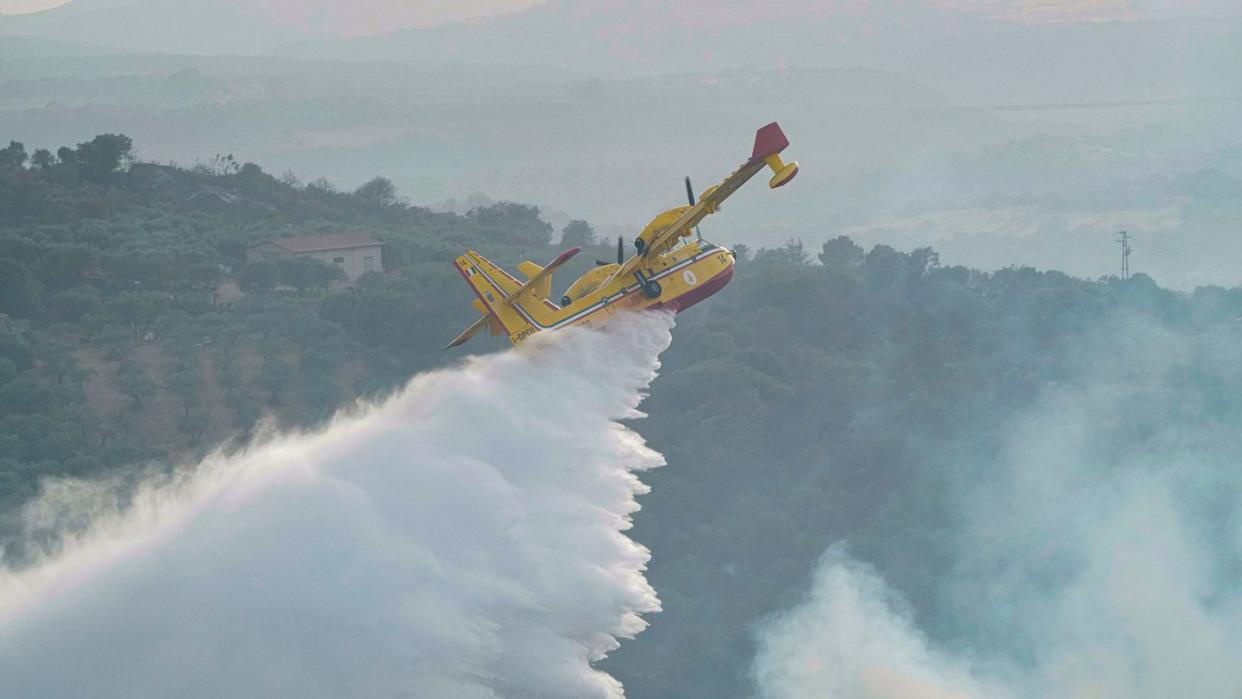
(542, 289)
(769, 142)
(495, 290)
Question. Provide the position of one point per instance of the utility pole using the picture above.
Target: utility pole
(1124, 239)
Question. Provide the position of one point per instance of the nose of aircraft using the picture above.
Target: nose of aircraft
(704, 289)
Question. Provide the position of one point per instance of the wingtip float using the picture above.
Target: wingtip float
(669, 269)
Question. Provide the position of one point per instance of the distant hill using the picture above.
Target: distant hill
(351, 120)
(229, 26)
(625, 37)
(963, 51)
(886, 159)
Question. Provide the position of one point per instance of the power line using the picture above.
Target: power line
(1124, 238)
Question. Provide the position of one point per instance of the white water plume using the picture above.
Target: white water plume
(463, 538)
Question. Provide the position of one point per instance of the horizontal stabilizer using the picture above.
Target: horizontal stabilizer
(470, 332)
(529, 269)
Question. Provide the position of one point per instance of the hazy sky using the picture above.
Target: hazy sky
(16, 6)
(434, 10)
(1020, 10)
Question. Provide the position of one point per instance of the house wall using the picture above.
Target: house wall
(354, 261)
(264, 251)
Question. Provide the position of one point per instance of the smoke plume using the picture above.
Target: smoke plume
(463, 538)
(853, 639)
(1096, 556)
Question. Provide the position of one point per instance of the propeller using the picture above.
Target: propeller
(690, 196)
(620, 254)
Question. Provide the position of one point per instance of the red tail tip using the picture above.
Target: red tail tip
(564, 257)
(769, 140)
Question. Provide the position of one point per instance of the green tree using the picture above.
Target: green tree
(276, 379)
(841, 253)
(259, 277)
(8, 370)
(58, 360)
(138, 310)
(64, 265)
(321, 186)
(193, 423)
(18, 290)
(117, 342)
(13, 157)
(67, 156)
(103, 154)
(135, 383)
(246, 412)
(304, 273)
(577, 234)
(221, 165)
(379, 191)
(511, 224)
(42, 159)
(70, 305)
(16, 347)
(185, 384)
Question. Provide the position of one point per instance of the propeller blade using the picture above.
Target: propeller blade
(620, 250)
(690, 196)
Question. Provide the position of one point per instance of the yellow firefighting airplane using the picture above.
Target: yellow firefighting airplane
(668, 270)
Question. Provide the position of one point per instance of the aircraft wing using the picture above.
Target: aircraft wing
(769, 142)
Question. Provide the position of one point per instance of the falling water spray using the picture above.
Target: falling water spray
(463, 538)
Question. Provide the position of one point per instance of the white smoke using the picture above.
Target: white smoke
(462, 539)
(1098, 558)
(852, 639)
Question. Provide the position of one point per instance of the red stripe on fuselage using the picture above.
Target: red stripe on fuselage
(700, 292)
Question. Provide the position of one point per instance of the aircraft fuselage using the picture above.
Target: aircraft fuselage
(686, 275)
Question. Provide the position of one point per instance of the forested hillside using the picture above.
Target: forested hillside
(862, 397)
(135, 331)
(827, 395)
